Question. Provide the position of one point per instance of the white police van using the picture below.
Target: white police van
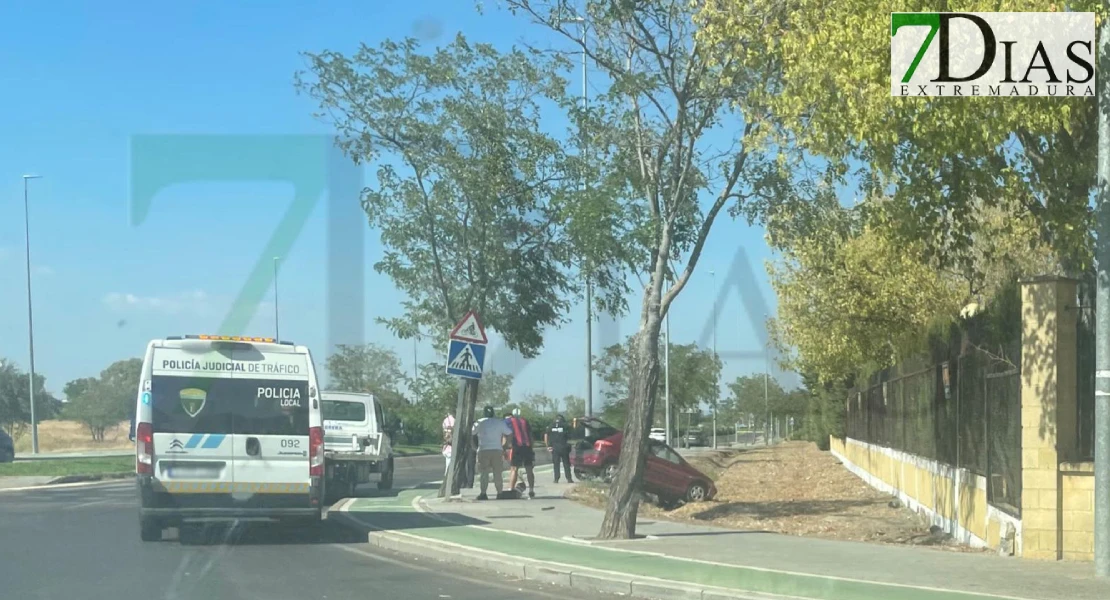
(227, 427)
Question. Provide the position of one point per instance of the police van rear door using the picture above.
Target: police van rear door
(192, 397)
(271, 422)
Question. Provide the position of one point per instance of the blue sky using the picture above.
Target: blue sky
(82, 78)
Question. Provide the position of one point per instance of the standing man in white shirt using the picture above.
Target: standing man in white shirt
(491, 433)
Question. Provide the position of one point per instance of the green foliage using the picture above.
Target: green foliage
(943, 160)
(15, 402)
(695, 376)
(102, 402)
(855, 298)
(474, 202)
(435, 393)
(862, 302)
(541, 404)
(825, 410)
(573, 406)
(747, 399)
(370, 369)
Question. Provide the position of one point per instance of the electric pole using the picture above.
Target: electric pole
(1102, 315)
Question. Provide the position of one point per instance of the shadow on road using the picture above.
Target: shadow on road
(701, 533)
(267, 534)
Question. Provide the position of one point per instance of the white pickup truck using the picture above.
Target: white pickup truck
(356, 447)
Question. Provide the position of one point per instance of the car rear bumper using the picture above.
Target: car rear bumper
(155, 502)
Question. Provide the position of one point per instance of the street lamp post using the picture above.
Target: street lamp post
(667, 379)
(30, 314)
(770, 432)
(717, 392)
(581, 21)
(589, 284)
(277, 326)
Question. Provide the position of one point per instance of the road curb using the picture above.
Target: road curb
(574, 577)
(56, 483)
(64, 479)
(578, 578)
(778, 585)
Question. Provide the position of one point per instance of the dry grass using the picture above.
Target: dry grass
(72, 436)
(793, 489)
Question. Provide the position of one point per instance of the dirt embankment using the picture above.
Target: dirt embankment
(793, 489)
(72, 436)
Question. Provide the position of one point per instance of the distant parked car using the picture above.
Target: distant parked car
(658, 434)
(693, 438)
(668, 476)
(7, 447)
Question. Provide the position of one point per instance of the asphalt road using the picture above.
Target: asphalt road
(83, 542)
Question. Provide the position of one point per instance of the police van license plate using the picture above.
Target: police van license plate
(192, 472)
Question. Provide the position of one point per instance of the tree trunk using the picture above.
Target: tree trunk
(460, 440)
(624, 493)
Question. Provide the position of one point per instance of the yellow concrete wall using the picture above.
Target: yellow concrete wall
(1077, 506)
(923, 482)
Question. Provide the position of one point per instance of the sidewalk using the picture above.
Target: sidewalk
(548, 538)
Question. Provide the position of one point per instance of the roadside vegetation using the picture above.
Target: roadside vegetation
(115, 465)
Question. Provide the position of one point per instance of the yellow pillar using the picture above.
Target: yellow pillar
(1048, 408)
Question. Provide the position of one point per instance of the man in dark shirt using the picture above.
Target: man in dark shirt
(557, 439)
(522, 454)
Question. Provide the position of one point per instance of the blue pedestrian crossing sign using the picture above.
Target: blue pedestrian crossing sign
(466, 359)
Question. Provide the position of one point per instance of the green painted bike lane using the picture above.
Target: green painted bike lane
(570, 555)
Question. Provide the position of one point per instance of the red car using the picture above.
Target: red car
(667, 476)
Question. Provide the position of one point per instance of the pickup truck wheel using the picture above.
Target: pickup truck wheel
(696, 492)
(386, 481)
(150, 530)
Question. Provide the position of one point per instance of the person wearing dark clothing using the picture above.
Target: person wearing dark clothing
(471, 459)
(522, 454)
(557, 439)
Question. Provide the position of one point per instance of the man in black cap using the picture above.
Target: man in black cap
(557, 439)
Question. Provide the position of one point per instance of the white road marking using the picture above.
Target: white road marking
(440, 572)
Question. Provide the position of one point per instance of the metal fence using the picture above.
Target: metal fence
(964, 412)
(1085, 381)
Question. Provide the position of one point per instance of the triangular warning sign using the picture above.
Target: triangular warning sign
(470, 329)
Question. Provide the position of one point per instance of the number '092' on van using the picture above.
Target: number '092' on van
(227, 428)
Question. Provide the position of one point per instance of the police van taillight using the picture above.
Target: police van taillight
(316, 451)
(144, 449)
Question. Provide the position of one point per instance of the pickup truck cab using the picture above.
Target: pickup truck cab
(356, 447)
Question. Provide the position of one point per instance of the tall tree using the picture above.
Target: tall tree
(695, 379)
(574, 406)
(942, 161)
(104, 401)
(856, 297)
(15, 403)
(541, 403)
(370, 369)
(746, 398)
(682, 139)
(476, 205)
